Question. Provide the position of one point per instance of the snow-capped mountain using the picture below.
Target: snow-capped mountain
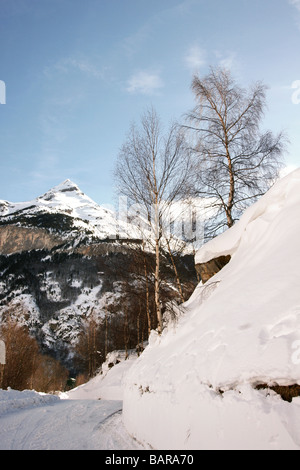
(78, 214)
(65, 214)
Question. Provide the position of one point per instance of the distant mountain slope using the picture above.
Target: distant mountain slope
(63, 258)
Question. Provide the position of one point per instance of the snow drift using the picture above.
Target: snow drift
(11, 400)
(107, 385)
(195, 387)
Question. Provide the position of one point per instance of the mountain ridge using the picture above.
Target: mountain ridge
(77, 211)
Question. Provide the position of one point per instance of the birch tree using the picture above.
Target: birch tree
(151, 171)
(235, 162)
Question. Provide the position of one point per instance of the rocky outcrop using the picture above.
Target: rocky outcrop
(15, 239)
(212, 267)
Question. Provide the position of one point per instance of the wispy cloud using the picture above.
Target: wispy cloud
(227, 60)
(195, 58)
(86, 67)
(71, 64)
(68, 83)
(296, 3)
(144, 82)
(133, 43)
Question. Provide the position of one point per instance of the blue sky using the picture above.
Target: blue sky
(78, 73)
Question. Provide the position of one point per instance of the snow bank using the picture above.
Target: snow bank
(108, 385)
(11, 400)
(194, 417)
(194, 387)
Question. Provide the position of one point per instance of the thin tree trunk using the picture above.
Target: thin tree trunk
(106, 336)
(138, 329)
(176, 272)
(157, 287)
(157, 246)
(231, 194)
(126, 333)
(147, 291)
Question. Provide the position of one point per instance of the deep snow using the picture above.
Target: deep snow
(86, 418)
(64, 425)
(195, 385)
(108, 385)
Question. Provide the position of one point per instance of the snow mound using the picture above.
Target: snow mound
(107, 385)
(196, 384)
(12, 400)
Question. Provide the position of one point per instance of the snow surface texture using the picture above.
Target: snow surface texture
(81, 419)
(13, 399)
(194, 387)
(63, 425)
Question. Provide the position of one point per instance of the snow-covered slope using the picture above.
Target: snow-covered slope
(108, 384)
(196, 385)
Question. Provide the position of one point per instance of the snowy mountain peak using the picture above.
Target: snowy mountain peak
(66, 186)
(67, 201)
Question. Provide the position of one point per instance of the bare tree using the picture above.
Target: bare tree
(89, 348)
(26, 367)
(151, 170)
(49, 375)
(21, 355)
(235, 163)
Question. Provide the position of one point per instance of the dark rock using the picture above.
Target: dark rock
(212, 267)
